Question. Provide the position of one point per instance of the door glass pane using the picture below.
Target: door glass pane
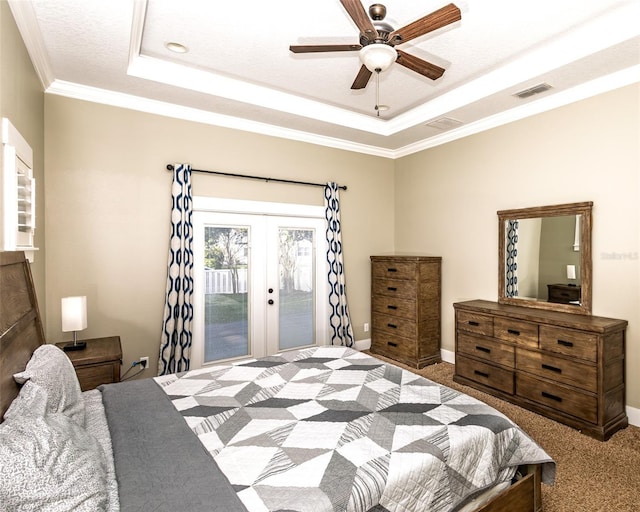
(297, 278)
(226, 330)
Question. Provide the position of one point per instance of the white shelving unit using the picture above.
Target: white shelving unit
(18, 193)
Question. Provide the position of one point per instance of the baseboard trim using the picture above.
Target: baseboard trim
(448, 356)
(363, 344)
(634, 416)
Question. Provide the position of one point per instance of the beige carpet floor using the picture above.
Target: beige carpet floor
(591, 476)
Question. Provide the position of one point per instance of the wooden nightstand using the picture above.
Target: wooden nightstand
(564, 293)
(97, 364)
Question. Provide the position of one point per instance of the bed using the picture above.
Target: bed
(326, 428)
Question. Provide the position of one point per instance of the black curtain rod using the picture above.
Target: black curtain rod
(292, 182)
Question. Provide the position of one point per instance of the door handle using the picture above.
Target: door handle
(270, 302)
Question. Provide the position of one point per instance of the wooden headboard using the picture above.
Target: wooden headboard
(21, 329)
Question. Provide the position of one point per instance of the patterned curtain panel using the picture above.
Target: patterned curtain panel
(511, 268)
(339, 310)
(175, 342)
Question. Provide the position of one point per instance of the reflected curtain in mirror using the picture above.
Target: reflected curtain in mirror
(512, 259)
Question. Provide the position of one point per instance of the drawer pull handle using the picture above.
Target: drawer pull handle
(514, 332)
(551, 368)
(392, 307)
(392, 270)
(565, 343)
(482, 374)
(393, 326)
(483, 349)
(552, 397)
(391, 288)
(474, 323)
(392, 344)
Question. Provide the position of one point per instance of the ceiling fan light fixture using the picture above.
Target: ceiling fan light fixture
(377, 57)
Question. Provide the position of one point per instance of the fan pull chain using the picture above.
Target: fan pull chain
(379, 107)
(378, 91)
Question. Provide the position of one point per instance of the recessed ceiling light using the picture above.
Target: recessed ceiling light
(176, 47)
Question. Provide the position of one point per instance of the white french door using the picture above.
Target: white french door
(259, 283)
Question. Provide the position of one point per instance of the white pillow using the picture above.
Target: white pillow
(51, 369)
(31, 401)
(47, 461)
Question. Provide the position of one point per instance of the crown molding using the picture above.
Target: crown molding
(128, 101)
(593, 88)
(26, 22)
(116, 99)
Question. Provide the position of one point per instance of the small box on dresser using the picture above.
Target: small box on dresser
(405, 308)
(565, 366)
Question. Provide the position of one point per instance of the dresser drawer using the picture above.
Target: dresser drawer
(395, 326)
(476, 323)
(516, 331)
(394, 269)
(395, 288)
(582, 345)
(574, 373)
(90, 377)
(486, 348)
(394, 306)
(395, 347)
(558, 397)
(492, 376)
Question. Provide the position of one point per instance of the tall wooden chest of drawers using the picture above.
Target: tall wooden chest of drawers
(565, 366)
(405, 308)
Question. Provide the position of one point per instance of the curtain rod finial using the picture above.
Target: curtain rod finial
(169, 167)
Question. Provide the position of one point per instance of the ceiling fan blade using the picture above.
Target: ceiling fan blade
(355, 9)
(419, 66)
(316, 48)
(437, 19)
(362, 78)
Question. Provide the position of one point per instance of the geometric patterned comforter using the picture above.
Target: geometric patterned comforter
(333, 429)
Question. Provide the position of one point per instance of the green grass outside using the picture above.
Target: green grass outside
(222, 308)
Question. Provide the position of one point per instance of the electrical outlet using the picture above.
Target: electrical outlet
(366, 327)
(144, 362)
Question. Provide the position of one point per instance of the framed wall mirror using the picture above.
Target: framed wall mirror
(544, 257)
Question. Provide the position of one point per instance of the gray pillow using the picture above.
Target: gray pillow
(48, 462)
(51, 369)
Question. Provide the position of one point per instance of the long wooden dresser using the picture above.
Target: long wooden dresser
(405, 308)
(565, 366)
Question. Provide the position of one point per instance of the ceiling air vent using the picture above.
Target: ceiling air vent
(536, 89)
(444, 123)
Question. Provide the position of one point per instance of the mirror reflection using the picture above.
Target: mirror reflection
(545, 257)
(546, 252)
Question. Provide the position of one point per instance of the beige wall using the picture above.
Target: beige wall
(22, 102)
(447, 198)
(108, 203)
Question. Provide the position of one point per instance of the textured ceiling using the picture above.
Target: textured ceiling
(239, 71)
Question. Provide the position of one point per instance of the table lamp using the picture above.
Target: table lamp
(74, 318)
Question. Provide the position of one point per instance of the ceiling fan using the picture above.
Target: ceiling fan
(378, 40)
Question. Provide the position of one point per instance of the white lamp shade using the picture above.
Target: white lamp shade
(74, 313)
(378, 56)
